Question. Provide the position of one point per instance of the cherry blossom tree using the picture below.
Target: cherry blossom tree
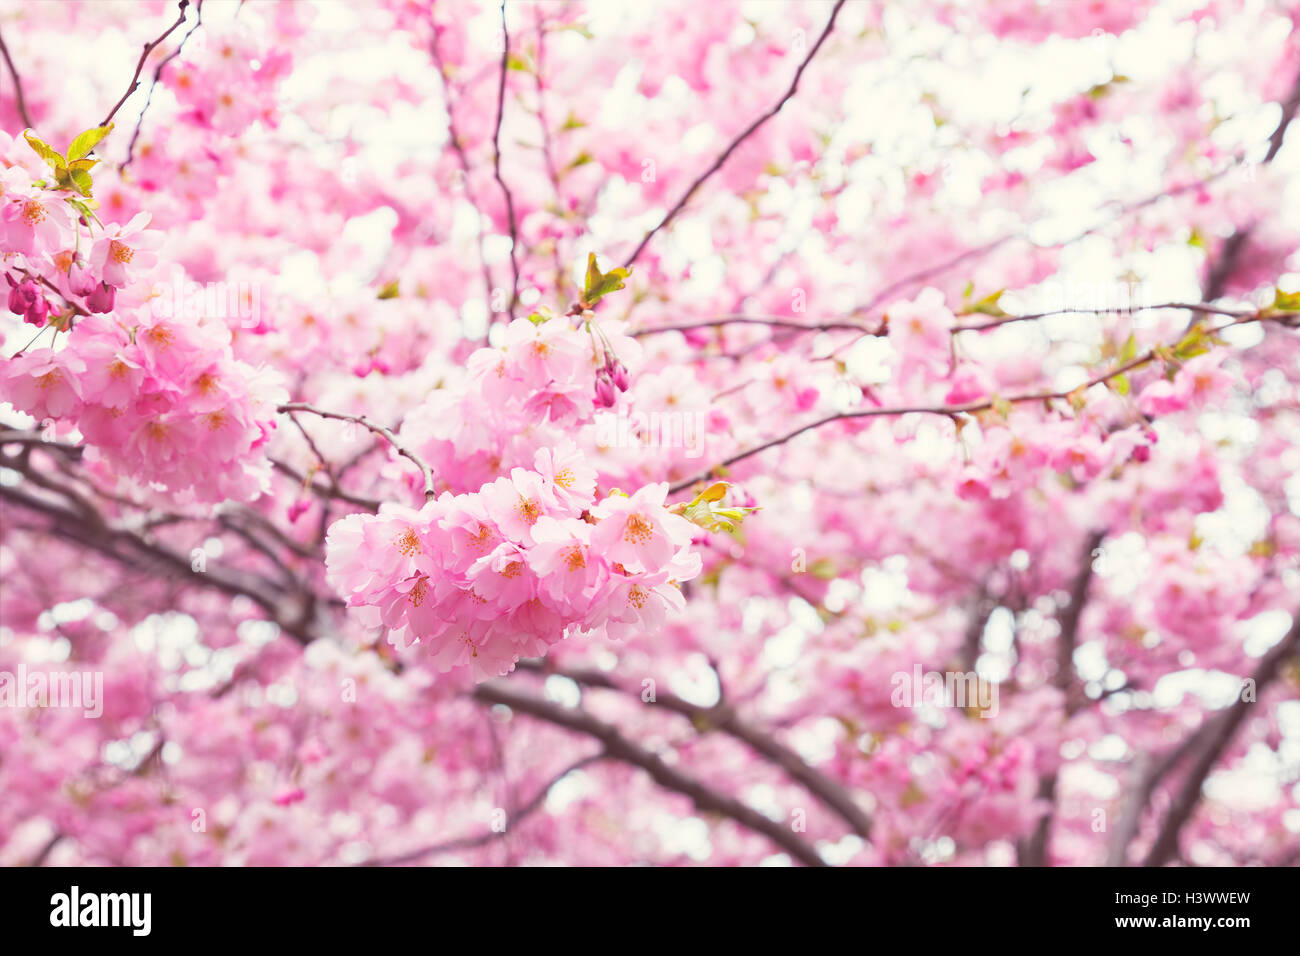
(842, 432)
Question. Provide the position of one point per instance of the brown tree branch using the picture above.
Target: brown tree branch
(1235, 244)
(157, 75)
(144, 55)
(950, 411)
(1034, 850)
(453, 139)
(725, 718)
(19, 100)
(385, 433)
(735, 143)
(618, 747)
(496, 162)
(475, 841)
(1215, 736)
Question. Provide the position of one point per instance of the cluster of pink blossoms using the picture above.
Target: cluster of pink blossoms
(164, 400)
(544, 383)
(481, 580)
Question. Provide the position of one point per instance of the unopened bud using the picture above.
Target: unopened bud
(101, 300)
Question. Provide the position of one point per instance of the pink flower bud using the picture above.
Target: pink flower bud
(101, 300)
(292, 795)
(21, 295)
(604, 391)
(619, 374)
(81, 281)
(37, 312)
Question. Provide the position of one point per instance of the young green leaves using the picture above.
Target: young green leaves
(71, 171)
(599, 284)
(701, 510)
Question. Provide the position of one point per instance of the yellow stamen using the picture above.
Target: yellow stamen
(637, 530)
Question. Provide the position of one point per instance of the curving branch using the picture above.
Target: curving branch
(772, 321)
(475, 841)
(618, 747)
(1211, 740)
(725, 718)
(496, 162)
(19, 100)
(950, 411)
(976, 252)
(735, 143)
(157, 75)
(385, 433)
(1033, 851)
(144, 55)
(1233, 247)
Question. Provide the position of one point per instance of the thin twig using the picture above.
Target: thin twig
(453, 139)
(18, 86)
(735, 143)
(157, 75)
(950, 411)
(144, 55)
(475, 841)
(496, 162)
(386, 433)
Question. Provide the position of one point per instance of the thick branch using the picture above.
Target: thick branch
(618, 747)
(724, 717)
(134, 552)
(1034, 850)
(1216, 735)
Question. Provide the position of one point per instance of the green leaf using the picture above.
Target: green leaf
(1194, 343)
(82, 181)
(1130, 350)
(1285, 301)
(85, 142)
(579, 28)
(389, 291)
(45, 151)
(823, 568)
(600, 284)
(582, 159)
(1120, 384)
(572, 123)
(700, 510)
(516, 62)
(989, 305)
